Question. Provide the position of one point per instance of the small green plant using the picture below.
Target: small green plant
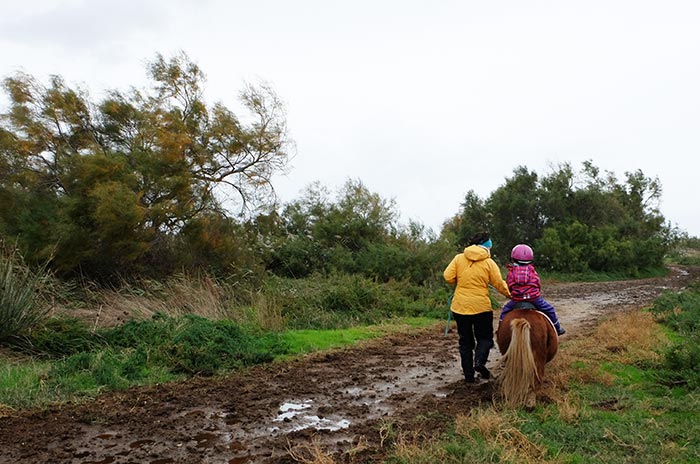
(680, 311)
(61, 336)
(21, 305)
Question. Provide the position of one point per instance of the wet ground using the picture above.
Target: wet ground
(342, 401)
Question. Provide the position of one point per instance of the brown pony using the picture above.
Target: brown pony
(527, 341)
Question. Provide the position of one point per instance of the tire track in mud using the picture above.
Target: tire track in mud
(337, 400)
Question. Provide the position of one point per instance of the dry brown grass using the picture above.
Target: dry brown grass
(625, 338)
(268, 312)
(500, 430)
(6, 411)
(309, 453)
(200, 295)
(416, 448)
(313, 453)
(184, 294)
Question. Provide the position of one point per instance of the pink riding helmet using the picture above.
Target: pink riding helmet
(522, 252)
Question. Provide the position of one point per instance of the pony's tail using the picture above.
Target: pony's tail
(520, 371)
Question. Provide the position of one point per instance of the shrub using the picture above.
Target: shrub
(201, 346)
(296, 257)
(62, 336)
(155, 350)
(21, 304)
(681, 312)
(343, 300)
(195, 345)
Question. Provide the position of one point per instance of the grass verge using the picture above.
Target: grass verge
(612, 397)
(592, 276)
(71, 362)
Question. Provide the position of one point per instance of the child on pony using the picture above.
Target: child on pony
(524, 285)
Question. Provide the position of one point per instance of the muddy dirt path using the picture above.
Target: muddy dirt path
(339, 401)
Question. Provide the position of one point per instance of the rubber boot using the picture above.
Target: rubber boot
(467, 358)
(481, 357)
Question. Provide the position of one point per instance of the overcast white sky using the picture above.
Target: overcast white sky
(421, 100)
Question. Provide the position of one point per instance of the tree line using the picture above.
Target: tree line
(132, 185)
(576, 221)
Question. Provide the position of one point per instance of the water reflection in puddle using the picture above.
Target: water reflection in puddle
(295, 413)
(206, 439)
(140, 443)
(107, 460)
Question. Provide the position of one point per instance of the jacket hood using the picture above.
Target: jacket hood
(476, 253)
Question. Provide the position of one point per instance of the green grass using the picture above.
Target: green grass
(647, 425)
(600, 276)
(21, 385)
(305, 341)
(70, 362)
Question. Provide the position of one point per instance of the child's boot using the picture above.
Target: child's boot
(560, 329)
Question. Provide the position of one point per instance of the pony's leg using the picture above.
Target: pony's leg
(540, 355)
(531, 400)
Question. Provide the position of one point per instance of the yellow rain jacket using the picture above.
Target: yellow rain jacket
(472, 271)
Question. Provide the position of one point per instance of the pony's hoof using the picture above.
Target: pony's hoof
(531, 401)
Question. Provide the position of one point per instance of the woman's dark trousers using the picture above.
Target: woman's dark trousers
(475, 341)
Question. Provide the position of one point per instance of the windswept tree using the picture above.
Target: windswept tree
(109, 186)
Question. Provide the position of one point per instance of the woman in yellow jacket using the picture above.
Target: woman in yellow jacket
(471, 272)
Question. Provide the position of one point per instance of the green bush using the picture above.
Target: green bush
(296, 257)
(401, 261)
(154, 350)
(154, 332)
(63, 336)
(681, 312)
(96, 370)
(324, 302)
(561, 248)
(683, 363)
(342, 300)
(576, 221)
(201, 346)
(21, 304)
(193, 344)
